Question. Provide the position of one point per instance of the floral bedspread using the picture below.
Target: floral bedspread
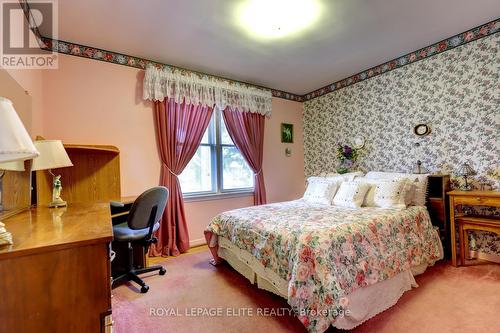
(327, 252)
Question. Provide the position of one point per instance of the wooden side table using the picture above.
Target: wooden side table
(469, 198)
(481, 223)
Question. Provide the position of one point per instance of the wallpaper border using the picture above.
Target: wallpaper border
(410, 58)
(93, 53)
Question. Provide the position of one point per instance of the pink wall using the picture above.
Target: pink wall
(31, 81)
(93, 102)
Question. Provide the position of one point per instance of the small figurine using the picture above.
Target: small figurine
(56, 193)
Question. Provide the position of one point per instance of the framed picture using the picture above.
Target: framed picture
(286, 133)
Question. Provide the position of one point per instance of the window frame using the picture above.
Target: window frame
(216, 148)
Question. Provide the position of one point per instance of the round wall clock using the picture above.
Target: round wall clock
(421, 130)
(359, 142)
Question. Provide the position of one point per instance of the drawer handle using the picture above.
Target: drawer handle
(479, 199)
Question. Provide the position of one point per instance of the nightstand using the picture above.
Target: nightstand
(470, 198)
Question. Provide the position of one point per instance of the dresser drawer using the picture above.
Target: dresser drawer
(477, 201)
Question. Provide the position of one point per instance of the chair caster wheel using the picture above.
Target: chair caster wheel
(144, 289)
(162, 271)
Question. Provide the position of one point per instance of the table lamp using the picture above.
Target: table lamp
(466, 171)
(52, 156)
(15, 145)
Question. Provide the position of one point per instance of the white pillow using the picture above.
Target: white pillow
(351, 194)
(320, 191)
(420, 182)
(386, 193)
(390, 194)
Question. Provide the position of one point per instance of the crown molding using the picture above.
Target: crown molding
(93, 53)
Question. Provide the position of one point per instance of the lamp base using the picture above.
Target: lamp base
(467, 187)
(58, 203)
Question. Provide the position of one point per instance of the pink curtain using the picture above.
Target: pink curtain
(179, 130)
(246, 129)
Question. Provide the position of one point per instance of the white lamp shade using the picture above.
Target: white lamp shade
(12, 166)
(52, 155)
(15, 142)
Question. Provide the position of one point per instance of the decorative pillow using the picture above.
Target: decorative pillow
(385, 193)
(390, 194)
(419, 180)
(320, 191)
(351, 194)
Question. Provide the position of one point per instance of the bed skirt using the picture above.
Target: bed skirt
(363, 304)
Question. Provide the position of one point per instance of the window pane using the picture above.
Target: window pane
(224, 135)
(205, 136)
(235, 171)
(208, 135)
(197, 176)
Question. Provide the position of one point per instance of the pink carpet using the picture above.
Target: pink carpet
(465, 299)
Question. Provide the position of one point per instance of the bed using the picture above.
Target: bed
(335, 266)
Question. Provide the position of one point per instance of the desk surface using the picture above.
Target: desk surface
(44, 229)
(129, 199)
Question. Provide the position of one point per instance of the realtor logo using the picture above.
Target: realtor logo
(20, 37)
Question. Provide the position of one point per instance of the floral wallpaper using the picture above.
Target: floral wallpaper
(454, 92)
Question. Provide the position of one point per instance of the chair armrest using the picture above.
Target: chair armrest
(116, 204)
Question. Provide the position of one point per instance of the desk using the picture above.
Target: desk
(56, 275)
(468, 198)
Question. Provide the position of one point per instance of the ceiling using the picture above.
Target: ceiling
(204, 35)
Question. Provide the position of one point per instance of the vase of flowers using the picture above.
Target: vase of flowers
(347, 156)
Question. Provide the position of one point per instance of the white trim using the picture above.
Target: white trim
(217, 196)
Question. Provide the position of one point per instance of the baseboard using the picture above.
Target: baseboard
(485, 256)
(197, 242)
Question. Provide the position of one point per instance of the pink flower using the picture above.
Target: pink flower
(304, 292)
(344, 302)
(303, 272)
(348, 238)
(363, 265)
(323, 325)
(293, 291)
(360, 278)
(306, 254)
(468, 36)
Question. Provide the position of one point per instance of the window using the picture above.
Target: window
(217, 167)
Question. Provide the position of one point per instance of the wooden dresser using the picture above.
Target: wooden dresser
(56, 275)
(470, 198)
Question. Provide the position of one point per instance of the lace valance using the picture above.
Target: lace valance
(197, 88)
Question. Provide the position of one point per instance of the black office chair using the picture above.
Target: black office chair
(143, 220)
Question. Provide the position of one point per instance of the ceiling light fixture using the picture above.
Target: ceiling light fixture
(273, 19)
